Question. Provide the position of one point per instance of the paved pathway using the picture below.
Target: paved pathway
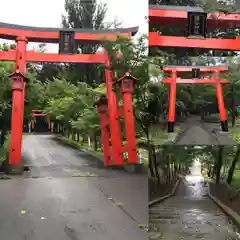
(190, 215)
(196, 132)
(54, 205)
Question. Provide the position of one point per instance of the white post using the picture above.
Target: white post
(29, 126)
(140, 157)
(52, 126)
(89, 142)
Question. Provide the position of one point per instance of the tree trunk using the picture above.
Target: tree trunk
(150, 155)
(233, 107)
(155, 164)
(150, 159)
(233, 165)
(68, 131)
(175, 165)
(73, 135)
(219, 164)
(89, 141)
(168, 171)
(95, 143)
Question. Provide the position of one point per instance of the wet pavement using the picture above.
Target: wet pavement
(54, 205)
(190, 214)
(196, 132)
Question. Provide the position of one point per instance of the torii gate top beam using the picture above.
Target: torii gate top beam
(51, 35)
(36, 110)
(38, 113)
(202, 69)
(167, 15)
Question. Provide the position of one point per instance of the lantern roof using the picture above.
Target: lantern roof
(18, 73)
(101, 101)
(127, 76)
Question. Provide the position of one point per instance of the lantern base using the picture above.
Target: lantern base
(15, 169)
(224, 125)
(134, 168)
(115, 166)
(171, 127)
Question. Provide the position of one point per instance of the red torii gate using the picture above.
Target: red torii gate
(214, 79)
(66, 37)
(195, 21)
(38, 113)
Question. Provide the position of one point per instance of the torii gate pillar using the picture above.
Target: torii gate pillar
(19, 80)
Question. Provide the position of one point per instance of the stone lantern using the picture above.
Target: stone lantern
(102, 105)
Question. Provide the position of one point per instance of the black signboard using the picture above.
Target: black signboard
(195, 73)
(197, 22)
(67, 42)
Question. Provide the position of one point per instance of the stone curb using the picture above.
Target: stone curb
(158, 200)
(100, 160)
(229, 212)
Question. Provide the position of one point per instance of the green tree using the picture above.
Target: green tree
(84, 15)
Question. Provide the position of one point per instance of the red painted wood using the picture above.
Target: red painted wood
(105, 139)
(53, 36)
(39, 115)
(172, 98)
(66, 58)
(131, 145)
(8, 56)
(53, 57)
(220, 99)
(18, 105)
(178, 18)
(185, 69)
(196, 81)
(115, 130)
(36, 110)
(155, 39)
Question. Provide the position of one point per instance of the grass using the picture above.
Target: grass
(85, 147)
(236, 179)
(235, 131)
(157, 136)
(144, 159)
(160, 137)
(99, 153)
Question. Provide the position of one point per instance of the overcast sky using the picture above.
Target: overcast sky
(47, 13)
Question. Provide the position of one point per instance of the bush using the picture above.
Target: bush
(4, 150)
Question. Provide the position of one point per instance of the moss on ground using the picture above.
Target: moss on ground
(77, 145)
(98, 154)
(234, 132)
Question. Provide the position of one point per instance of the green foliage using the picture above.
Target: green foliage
(84, 15)
(4, 150)
(71, 104)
